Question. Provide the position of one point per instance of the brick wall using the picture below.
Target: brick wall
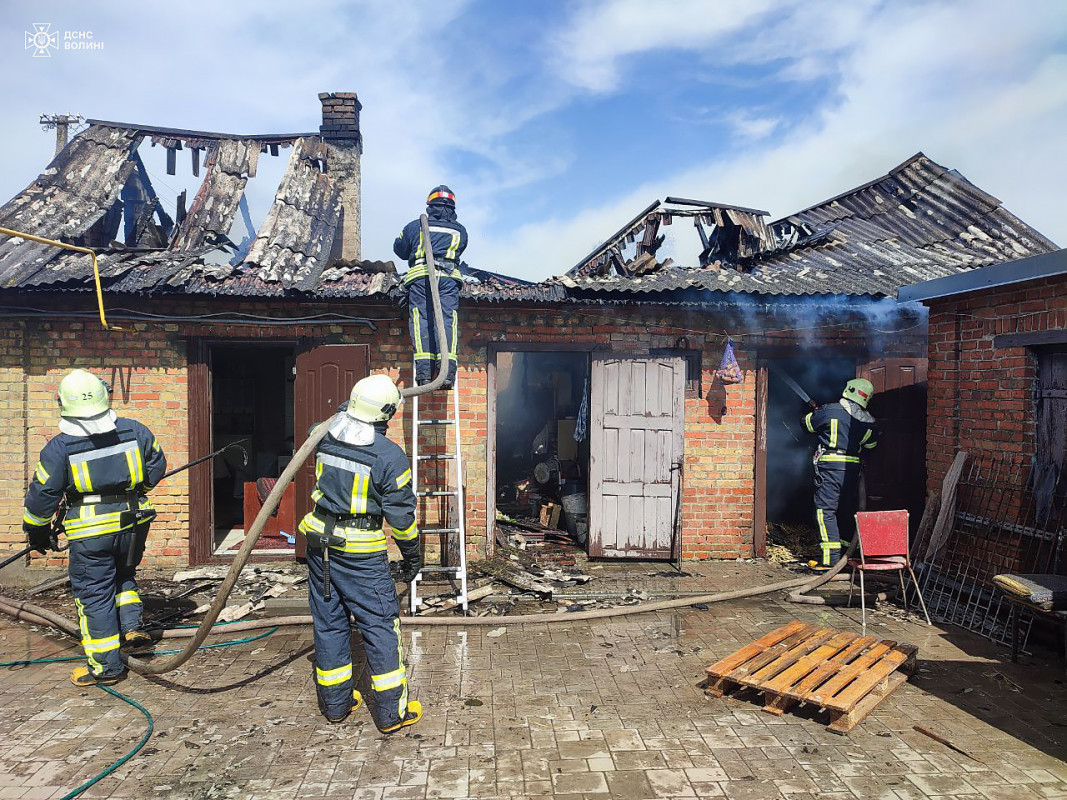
(147, 365)
(981, 398)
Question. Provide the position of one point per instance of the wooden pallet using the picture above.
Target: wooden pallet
(845, 673)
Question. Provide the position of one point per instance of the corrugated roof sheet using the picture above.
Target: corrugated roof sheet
(919, 222)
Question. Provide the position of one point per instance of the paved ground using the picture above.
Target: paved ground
(572, 710)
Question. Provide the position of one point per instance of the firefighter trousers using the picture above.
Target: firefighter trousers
(105, 594)
(362, 587)
(423, 326)
(836, 503)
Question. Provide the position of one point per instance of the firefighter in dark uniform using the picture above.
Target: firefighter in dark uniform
(846, 430)
(448, 239)
(361, 479)
(102, 466)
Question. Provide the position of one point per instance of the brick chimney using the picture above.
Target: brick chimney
(340, 128)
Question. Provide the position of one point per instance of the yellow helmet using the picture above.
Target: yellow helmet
(374, 399)
(82, 395)
(859, 390)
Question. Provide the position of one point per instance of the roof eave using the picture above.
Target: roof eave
(1007, 273)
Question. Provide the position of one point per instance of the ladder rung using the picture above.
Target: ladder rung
(442, 457)
(449, 493)
(435, 422)
(439, 569)
(438, 530)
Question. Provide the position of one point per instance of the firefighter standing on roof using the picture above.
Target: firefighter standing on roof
(448, 239)
(846, 430)
(361, 478)
(103, 466)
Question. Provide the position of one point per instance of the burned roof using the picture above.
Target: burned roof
(920, 221)
(97, 182)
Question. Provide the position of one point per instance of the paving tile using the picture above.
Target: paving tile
(580, 783)
(557, 718)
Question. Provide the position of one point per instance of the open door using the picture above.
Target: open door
(325, 376)
(894, 473)
(636, 434)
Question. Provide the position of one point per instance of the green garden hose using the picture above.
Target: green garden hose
(130, 701)
(137, 748)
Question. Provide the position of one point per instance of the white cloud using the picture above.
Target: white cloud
(602, 34)
(977, 89)
(751, 125)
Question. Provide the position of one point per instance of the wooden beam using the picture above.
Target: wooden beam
(172, 160)
(1032, 339)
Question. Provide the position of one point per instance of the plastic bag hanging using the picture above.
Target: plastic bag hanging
(729, 371)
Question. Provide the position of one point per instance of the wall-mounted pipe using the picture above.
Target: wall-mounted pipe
(76, 249)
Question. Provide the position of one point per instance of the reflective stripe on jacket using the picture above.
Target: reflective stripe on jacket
(88, 470)
(842, 436)
(448, 238)
(371, 480)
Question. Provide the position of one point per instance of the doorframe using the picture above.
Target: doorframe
(492, 349)
(765, 355)
(200, 405)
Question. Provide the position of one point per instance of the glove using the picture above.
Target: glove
(411, 564)
(39, 537)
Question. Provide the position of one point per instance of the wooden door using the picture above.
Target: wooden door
(635, 434)
(895, 471)
(325, 376)
(1051, 413)
(201, 490)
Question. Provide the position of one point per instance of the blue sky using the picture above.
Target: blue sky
(555, 122)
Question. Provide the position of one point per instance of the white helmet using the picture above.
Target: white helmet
(374, 399)
(82, 395)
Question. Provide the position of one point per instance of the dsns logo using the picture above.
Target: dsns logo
(41, 40)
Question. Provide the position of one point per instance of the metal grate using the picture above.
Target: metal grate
(1009, 518)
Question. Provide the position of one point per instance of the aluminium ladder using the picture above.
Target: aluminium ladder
(453, 525)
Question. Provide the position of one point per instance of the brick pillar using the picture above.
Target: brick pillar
(340, 129)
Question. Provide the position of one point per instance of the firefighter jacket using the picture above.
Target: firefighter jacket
(845, 431)
(99, 475)
(357, 486)
(448, 238)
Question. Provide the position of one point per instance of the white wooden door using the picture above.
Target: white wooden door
(635, 436)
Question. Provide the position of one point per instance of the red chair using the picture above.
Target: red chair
(883, 539)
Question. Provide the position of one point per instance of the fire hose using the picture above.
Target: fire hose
(799, 586)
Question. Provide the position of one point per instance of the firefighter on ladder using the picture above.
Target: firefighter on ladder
(846, 430)
(361, 478)
(448, 239)
(103, 466)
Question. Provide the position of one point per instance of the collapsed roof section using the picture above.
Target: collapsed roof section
(97, 193)
(920, 221)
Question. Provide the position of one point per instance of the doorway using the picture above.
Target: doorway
(251, 406)
(790, 504)
(542, 443)
(267, 396)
